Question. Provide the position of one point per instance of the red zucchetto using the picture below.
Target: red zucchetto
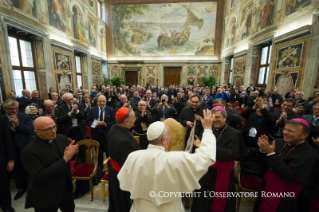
(121, 113)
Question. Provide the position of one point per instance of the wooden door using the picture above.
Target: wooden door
(172, 76)
(131, 78)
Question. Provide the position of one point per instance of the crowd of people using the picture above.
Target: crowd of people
(274, 138)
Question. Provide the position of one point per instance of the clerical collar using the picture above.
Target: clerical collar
(48, 141)
(220, 128)
(151, 146)
(294, 145)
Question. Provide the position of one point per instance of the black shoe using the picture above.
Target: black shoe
(9, 210)
(19, 194)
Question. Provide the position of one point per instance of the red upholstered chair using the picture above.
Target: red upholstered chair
(88, 132)
(248, 183)
(235, 105)
(278, 109)
(87, 170)
(105, 179)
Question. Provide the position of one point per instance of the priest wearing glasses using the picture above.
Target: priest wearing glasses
(293, 167)
(220, 177)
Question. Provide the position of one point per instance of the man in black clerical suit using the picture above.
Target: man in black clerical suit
(21, 130)
(46, 161)
(101, 118)
(71, 122)
(6, 165)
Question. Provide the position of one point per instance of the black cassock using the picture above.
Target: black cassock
(121, 144)
(292, 169)
(230, 144)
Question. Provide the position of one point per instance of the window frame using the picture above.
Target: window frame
(76, 71)
(21, 68)
(266, 65)
(231, 67)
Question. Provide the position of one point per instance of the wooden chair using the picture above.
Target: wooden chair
(137, 138)
(87, 170)
(248, 183)
(105, 179)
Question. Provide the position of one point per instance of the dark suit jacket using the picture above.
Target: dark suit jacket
(233, 118)
(65, 121)
(114, 98)
(279, 97)
(309, 119)
(233, 96)
(263, 126)
(49, 175)
(179, 105)
(23, 103)
(23, 132)
(6, 143)
(158, 112)
(109, 119)
(39, 102)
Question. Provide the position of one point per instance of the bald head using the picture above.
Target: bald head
(123, 98)
(101, 101)
(42, 121)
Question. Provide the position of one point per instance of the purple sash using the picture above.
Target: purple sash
(222, 182)
(276, 184)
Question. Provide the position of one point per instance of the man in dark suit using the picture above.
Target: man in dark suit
(6, 165)
(21, 130)
(101, 118)
(24, 101)
(179, 103)
(55, 97)
(71, 122)
(124, 103)
(282, 116)
(259, 122)
(163, 110)
(46, 160)
(233, 118)
(313, 121)
(36, 99)
(277, 99)
(234, 95)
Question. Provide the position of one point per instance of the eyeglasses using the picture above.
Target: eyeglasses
(48, 129)
(16, 108)
(68, 99)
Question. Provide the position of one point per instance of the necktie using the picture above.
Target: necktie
(101, 115)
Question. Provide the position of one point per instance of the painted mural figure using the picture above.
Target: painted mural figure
(265, 15)
(56, 9)
(26, 6)
(246, 23)
(92, 33)
(79, 27)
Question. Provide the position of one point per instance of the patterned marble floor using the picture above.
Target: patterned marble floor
(85, 204)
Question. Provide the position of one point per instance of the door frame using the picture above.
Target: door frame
(138, 69)
(171, 66)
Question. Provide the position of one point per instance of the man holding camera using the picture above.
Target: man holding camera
(163, 110)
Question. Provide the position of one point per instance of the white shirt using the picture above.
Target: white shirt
(155, 170)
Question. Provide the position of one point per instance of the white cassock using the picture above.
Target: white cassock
(155, 170)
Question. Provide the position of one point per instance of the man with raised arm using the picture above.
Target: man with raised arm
(154, 171)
